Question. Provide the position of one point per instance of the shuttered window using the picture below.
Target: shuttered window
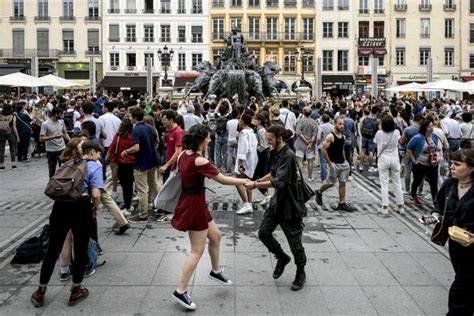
(196, 33)
(42, 41)
(114, 33)
(93, 40)
(68, 40)
(18, 37)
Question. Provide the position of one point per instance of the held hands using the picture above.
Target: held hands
(249, 185)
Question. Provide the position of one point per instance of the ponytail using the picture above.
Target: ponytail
(195, 136)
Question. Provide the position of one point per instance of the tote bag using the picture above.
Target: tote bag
(168, 197)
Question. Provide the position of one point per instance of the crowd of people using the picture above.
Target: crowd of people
(254, 146)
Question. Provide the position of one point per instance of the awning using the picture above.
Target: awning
(468, 78)
(338, 79)
(118, 82)
(400, 83)
(364, 51)
(380, 51)
(180, 82)
(7, 71)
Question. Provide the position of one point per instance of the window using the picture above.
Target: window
(68, 41)
(471, 32)
(196, 34)
(149, 8)
(149, 33)
(42, 42)
(165, 33)
(342, 60)
(181, 6)
(272, 28)
(93, 40)
(114, 33)
(308, 3)
(131, 33)
(379, 7)
(196, 59)
(68, 9)
(449, 28)
(131, 60)
(328, 4)
(197, 7)
(425, 3)
(18, 8)
(218, 28)
(308, 29)
(364, 29)
(379, 27)
(327, 29)
(289, 3)
(93, 9)
(18, 42)
(400, 56)
(165, 7)
(236, 22)
(343, 29)
(149, 55)
(114, 6)
(181, 61)
(381, 59)
(343, 4)
(272, 3)
(114, 60)
(425, 28)
(363, 60)
(181, 34)
(289, 61)
(254, 28)
(42, 9)
(449, 57)
(424, 55)
(471, 7)
(401, 28)
(254, 3)
(471, 60)
(363, 6)
(131, 6)
(236, 3)
(290, 29)
(327, 60)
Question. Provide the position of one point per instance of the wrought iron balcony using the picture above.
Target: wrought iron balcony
(363, 11)
(114, 39)
(67, 18)
(218, 4)
(308, 4)
(130, 39)
(17, 18)
(29, 53)
(68, 52)
(272, 3)
(165, 11)
(93, 51)
(425, 7)
(196, 40)
(196, 11)
(449, 7)
(93, 18)
(113, 11)
(400, 7)
(148, 11)
(165, 39)
(425, 35)
(379, 11)
(181, 39)
(42, 18)
(130, 11)
(148, 39)
(289, 4)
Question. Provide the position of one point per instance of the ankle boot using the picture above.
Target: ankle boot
(300, 279)
(37, 298)
(282, 260)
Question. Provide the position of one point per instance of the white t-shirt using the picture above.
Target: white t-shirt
(232, 126)
(98, 125)
(388, 142)
(247, 152)
(289, 120)
(110, 124)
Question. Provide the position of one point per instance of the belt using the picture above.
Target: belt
(453, 139)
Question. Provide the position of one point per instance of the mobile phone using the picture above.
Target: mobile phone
(241, 169)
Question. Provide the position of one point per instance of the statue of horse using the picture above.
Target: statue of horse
(206, 71)
(269, 82)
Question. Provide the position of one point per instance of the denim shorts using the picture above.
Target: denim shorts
(368, 144)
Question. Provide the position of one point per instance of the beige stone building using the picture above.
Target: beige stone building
(61, 35)
(466, 33)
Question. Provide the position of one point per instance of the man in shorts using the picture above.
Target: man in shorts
(306, 132)
(333, 152)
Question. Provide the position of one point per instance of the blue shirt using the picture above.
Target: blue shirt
(93, 178)
(144, 135)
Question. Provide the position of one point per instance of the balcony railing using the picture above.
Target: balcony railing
(148, 39)
(196, 40)
(254, 5)
(68, 52)
(181, 40)
(148, 11)
(218, 36)
(165, 11)
(165, 39)
(42, 18)
(272, 3)
(363, 11)
(425, 7)
(343, 8)
(93, 51)
(425, 35)
(217, 4)
(308, 4)
(29, 53)
(269, 36)
(17, 18)
(471, 40)
(114, 39)
(67, 18)
(113, 11)
(93, 18)
(328, 8)
(449, 7)
(130, 39)
(181, 11)
(130, 11)
(289, 4)
(400, 7)
(196, 11)
(379, 11)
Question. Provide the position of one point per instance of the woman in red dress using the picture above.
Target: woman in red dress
(191, 213)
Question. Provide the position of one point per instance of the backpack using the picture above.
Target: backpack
(66, 184)
(369, 128)
(34, 249)
(221, 125)
(69, 120)
(212, 124)
(5, 128)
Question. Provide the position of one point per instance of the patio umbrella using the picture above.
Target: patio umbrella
(19, 79)
(446, 84)
(404, 88)
(56, 81)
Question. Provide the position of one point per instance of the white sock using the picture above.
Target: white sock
(248, 204)
(64, 269)
(179, 291)
(217, 271)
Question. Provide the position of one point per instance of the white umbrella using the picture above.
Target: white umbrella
(445, 84)
(404, 88)
(56, 81)
(19, 79)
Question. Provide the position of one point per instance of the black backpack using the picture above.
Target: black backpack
(369, 127)
(69, 120)
(221, 125)
(34, 249)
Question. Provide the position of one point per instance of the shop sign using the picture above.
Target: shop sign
(367, 70)
(76, 67)
(371, 42)
(414, 77)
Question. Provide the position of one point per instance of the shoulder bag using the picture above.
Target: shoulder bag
(440, 233)
(306, 191)
(432, 156)
(168, 197)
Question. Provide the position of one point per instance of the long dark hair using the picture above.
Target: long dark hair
(466, 156)
(125, 128)
(195, 136)
(280, 131)
(388, 124)
(424, 126)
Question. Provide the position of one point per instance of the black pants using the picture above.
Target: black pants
(23, 146)
(53, 161)
(461, 293)
(421, 172)
(293, 230)
(125, 176)
(262, 168)
(76, 216)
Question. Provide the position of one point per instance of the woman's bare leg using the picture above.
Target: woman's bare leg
(214, 236)
(198, 243)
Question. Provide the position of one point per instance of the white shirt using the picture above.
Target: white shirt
(190, 119)
(451, 128)
(232, 126)
(110, 124)
(288, 117)
(388, 142)
(247, 152)
(98, 125)
(467, 130)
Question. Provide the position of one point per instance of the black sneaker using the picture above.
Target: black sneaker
(184, 299)
(63, 277)
(122, 229)
(319, 197)
(220, 277)
(344, 207)
(100, 251)
(283, 260)
(89, 272)
(300, 280)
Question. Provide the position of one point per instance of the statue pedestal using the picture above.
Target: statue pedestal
(162, 91)
(304, 92)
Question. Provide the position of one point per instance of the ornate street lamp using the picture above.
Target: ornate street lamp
(165, 56)
(301, 56)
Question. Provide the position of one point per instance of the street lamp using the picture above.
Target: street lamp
(303, 59)
(165, 56)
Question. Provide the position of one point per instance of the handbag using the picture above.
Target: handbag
(432, 156)
(440, 233)
(168, 197)
(306, 192)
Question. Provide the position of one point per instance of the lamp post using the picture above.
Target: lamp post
(303, 59)
(165, 56)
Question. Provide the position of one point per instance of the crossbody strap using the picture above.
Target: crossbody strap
(385, 147)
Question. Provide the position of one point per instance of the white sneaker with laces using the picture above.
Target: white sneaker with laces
(245, 209)
(383, 210)
(128, 212)
(401, 210)
(265, 200)
(372, 169)
(310, 180)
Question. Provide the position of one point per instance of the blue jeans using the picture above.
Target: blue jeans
(220, 150)
(324, 166)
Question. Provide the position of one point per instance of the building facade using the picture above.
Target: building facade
(137, 29)
(58, 37)
(466, 33)
(282, 31)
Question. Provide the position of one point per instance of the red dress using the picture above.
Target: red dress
(192, 213)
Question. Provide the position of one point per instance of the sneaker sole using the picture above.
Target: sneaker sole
(220, 281)
(36, 304)
(89, 275)
(243, 213)
(182, 303)
(79, 300)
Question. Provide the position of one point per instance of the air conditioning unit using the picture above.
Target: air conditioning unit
(114, 68)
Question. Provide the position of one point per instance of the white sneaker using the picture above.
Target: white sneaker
(128, 212)
(310, 180)
(372, 169)
(247, 208)
(383, 210)
(401, 210)
(265, 200)
(135, 198)
(350, 178)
